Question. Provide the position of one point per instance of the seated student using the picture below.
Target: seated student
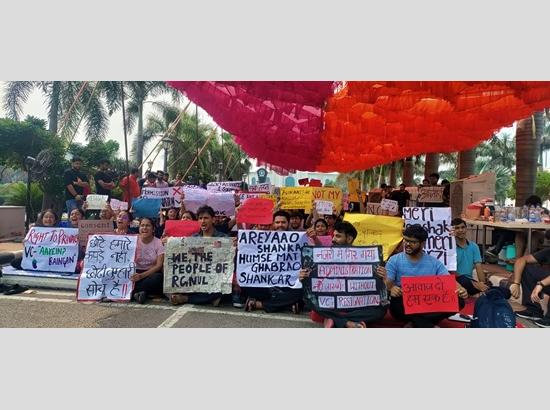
(206, 218)
(148, 279)
(123, 222)
(468, 257)
(535, 282)
(415, 262)
(274, 299)
(75, 216)
(169, 215)
(344, 235)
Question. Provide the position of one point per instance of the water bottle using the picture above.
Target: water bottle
(511, 214)
(525, 212)
(532, 216)
(538, 214)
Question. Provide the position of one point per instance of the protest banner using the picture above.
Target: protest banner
(374, 208)
(194, 198)
(433, 194)
(92, 226)
(377, 230)
(181, 228)
(243, 196)
(324, 207)
(164, 194)
(297, 198)
(333, 195)
(50, 250)
(224, 186)
(353, 186)
(429, 294)
(96, 201)
(108, 266)
(264, 188)
(257, 211)
(117, 205)
(269, 258)
(343, 278)
(198, 264)
(177, 192)
(146, 207)
(437, 221)
(389, 205)
(223, 203)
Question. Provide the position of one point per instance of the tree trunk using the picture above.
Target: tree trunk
(393, 174)
(432, 164)
(466, 163)
(53, 115)
(408, 171)
(528, 134)
(139, 145)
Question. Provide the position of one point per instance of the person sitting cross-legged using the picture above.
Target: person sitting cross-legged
(415, 262)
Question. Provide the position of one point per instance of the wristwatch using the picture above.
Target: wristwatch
(539, 283)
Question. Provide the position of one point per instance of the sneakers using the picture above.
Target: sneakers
(237, 301)
(529, 314)
(544, 322)
(140, 297)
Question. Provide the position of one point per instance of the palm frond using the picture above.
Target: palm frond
(16, 94)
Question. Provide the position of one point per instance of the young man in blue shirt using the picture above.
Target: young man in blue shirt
(468, 257)
(415, 262)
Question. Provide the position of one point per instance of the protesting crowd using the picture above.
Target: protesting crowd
(348, 259)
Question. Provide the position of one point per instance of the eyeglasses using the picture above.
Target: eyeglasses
(411, 241)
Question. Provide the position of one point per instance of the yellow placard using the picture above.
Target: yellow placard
(333, 195)
(377, 230)
(353, 187)
(269, 196)
(297, 198)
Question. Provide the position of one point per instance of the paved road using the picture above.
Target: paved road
(47, 308)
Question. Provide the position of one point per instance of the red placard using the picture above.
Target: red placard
(257, 211)
(427, 294)
(181, 228)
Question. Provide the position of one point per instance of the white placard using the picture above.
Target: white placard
(96, 201)
(51, 250)
(324, 207)
(389, 205)
(117, 205)
(224, 186)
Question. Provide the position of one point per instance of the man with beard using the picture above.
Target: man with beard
(344, 235)
(296, 221)
(75, 183)
(415, 262)
(402, 197)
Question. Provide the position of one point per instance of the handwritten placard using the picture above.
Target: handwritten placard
(324, 207)
(164, 194)
(198, 264)
(117, 205)
(269, 258)
(297, 198)
(108, 266)
(342, 278)
(50, 249)
(256, 211)
(224, 186)
(333, 195)
(429, 294)
(437, 221)
(374, 208)
(390, 205)
(181, 228)
(96, 201)
(432, 194)
(353, 187)
(264, 188)
(92, 226)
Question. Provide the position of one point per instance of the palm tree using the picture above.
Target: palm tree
(432, 164)
(408, 171)
(528, 135)
(67, 101)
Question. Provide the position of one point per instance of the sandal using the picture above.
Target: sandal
(250, 305)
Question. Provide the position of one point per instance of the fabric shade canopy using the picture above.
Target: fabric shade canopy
(323, 126)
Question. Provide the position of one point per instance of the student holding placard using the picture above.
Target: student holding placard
(415, 262)
(76, 215)
(344, 236)
(206, 218)
(148, 279)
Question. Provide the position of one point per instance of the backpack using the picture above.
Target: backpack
(492, 310)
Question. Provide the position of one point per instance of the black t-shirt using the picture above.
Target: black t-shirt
(401, 198)
(542, 256)
(70, 176)
(105, 177)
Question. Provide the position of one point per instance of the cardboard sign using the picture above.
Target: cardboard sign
(343, 278)
(270, 258)
(390, 206)
(108, 266)
(256, 211)
(432, 194)
(377, 230)
(96, 201)
(181, 228)
(374, 208)
(353, 186)
(297, 198)
(333, 195)
(198, 265)
(50, 250)
(225, 186)
(92, 226)
(145, 207)
(324, 207)
(437, 221)
(117, 205)
(265, 188)
(429, 294)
